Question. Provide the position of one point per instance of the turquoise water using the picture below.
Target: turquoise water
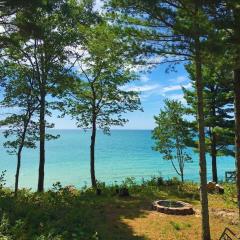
(123, 154)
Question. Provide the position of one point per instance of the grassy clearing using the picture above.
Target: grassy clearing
(67, 213)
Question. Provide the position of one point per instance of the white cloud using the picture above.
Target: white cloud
(175, 87)
(179, 79)
(148, 90)
(144, 78)
(150, 62)
(143, 88)
(179, 97)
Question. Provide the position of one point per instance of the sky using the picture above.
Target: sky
(154, 87)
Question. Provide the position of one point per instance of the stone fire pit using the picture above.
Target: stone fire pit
(173, 207)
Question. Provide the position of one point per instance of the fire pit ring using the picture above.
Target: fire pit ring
(173, 207)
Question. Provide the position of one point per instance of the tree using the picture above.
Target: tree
(44, 42)
(97, 99)
(8, 10)
(22, 104)
(179, 31)
(226, 18)
(233, 40)
(172, 135)
(218, 109)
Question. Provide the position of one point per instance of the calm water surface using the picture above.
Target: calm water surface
(123, 154)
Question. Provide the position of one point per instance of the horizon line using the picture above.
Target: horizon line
(137, 129)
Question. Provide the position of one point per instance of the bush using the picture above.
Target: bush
(2, 179)
(230, 193)
(173, 182)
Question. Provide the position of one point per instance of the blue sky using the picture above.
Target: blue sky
(154, 87)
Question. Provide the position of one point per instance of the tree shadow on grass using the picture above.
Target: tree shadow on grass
(116, 209)
(67, 216)
(111, 225)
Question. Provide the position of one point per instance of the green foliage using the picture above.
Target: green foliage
(20, 102)
(218, 105)
(97, 95)
(172, 134)
(68, 213)
(230, 193)
(163, 28)
(2, 179)
(176, 225)
(180, 226)
(40, 54)
(38, 64)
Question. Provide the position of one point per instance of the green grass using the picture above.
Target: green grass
(67, 213)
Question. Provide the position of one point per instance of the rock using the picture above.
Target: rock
(219, 189)
(180, 208)
(215, 188)
(211, 186)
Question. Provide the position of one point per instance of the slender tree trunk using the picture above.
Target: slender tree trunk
(42, 143)
(92, 153)
(182, 178)
(213, 141)
(18, 170)
(202, 148)
(237, 129)
(19, 154)
(214, 158)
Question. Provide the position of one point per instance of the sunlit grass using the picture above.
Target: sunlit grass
(67, 213)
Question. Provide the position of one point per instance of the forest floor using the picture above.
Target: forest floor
(67, 213)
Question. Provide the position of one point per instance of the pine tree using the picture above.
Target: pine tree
(177, 31)
(225, 14)
(218, 109)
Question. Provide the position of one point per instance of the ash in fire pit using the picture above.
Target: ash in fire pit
(173, 207)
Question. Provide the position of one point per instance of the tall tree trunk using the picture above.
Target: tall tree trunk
(42, 143)
(19, 154)
(202, 148)
(214, 158)
(182, 178)
(18, 170)
(237, 129)
(92, 153)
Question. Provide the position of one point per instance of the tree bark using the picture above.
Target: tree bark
(237, 129)
(19, 154)
(214, 158)
(182, 178)
(18, 170)
(92, 153)
(42, 143)
(202, 148)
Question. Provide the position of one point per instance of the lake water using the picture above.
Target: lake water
(126, 153)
